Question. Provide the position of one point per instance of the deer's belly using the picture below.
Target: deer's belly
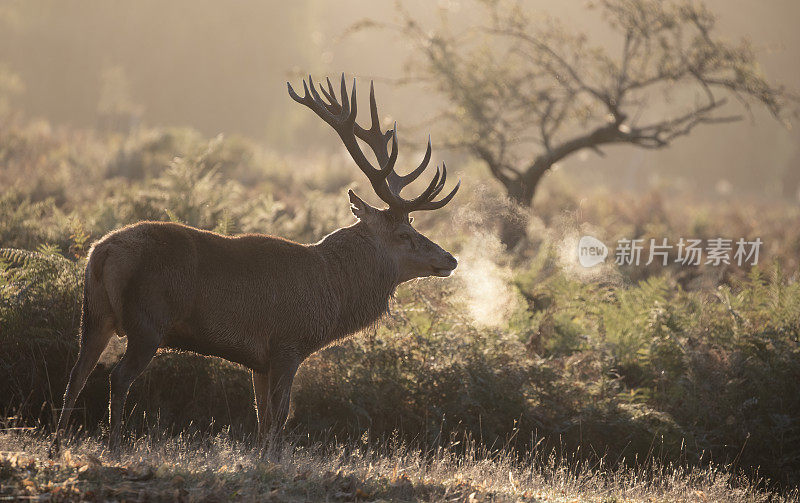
(232, 346)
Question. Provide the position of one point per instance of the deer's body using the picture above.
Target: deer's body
(262, 301)
(244, 298)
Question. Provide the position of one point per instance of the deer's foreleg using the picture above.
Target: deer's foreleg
(261, 392)
(281, 376)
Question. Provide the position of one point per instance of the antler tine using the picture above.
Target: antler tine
(387, 168)
(353, 99)
(373, 109)
(334, 105)
(435, 205)
(330, 87)
(434, 187)
(314, 94)
(314, 104)
(337, 112)
(441, 182)
(398, 182)
(296, 96)
(373, 136)
(345, 99)
(440, 186)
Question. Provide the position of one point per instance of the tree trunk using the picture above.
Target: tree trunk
(513, 229)
(514, 225)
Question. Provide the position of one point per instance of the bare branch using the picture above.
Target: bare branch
(523, 94)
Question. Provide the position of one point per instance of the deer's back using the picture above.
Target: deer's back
(240, 298)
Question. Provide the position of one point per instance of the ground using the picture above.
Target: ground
(194, 468)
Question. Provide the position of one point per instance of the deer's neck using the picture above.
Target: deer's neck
(362, 277)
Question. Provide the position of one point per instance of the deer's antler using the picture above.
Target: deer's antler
(386, 183)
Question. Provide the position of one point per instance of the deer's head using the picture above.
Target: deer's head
(415, 255)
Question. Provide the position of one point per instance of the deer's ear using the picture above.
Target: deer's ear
(359, 208)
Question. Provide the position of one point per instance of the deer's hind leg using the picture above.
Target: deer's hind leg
(144, 332)
(95, 335)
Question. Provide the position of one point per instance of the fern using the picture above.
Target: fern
(172, 216)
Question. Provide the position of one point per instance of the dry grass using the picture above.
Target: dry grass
(194, 468)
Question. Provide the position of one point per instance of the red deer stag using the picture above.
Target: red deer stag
(262, 301)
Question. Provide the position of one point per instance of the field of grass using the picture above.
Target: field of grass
(522, 377)
(218, 468)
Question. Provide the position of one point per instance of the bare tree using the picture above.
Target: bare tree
(525, 94)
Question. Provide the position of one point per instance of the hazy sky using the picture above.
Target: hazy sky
(222, 67)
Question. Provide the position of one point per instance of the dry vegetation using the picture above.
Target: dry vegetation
(218, 468)
(519, 378)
